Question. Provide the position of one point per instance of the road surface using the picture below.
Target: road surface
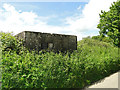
(111, 82)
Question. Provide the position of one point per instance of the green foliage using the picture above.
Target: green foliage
(92, 61)
(104, 39)
(9, 42)
(110, 23)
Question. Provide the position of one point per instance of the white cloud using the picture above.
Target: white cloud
(88, 20)
(81, 25)
(90, 15)
(79, 7)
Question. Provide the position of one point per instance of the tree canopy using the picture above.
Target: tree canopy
(109, 24)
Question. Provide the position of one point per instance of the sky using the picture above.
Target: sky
(69, 17)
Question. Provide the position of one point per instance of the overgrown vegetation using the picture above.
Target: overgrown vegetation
(92, 61)
(103, 38)
(9, 42)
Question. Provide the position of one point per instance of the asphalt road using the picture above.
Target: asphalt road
(112, 81)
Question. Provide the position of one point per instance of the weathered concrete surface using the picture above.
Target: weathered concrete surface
(47, 41)
(109, 83)
(0, 84)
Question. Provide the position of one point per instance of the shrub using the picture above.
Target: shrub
(9, 42)
(103, 38)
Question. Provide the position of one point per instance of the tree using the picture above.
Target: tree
(110, 23)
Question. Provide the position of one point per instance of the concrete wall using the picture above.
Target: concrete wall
(47, 41)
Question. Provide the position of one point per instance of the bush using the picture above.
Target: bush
(9, 42)
(92, 61)
(103, 38)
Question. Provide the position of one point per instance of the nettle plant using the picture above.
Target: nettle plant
(92, 61)
(9, 42)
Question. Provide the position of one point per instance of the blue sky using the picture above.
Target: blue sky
(74, 18)
(57, 10)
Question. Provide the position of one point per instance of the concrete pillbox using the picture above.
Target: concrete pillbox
(47, 41)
